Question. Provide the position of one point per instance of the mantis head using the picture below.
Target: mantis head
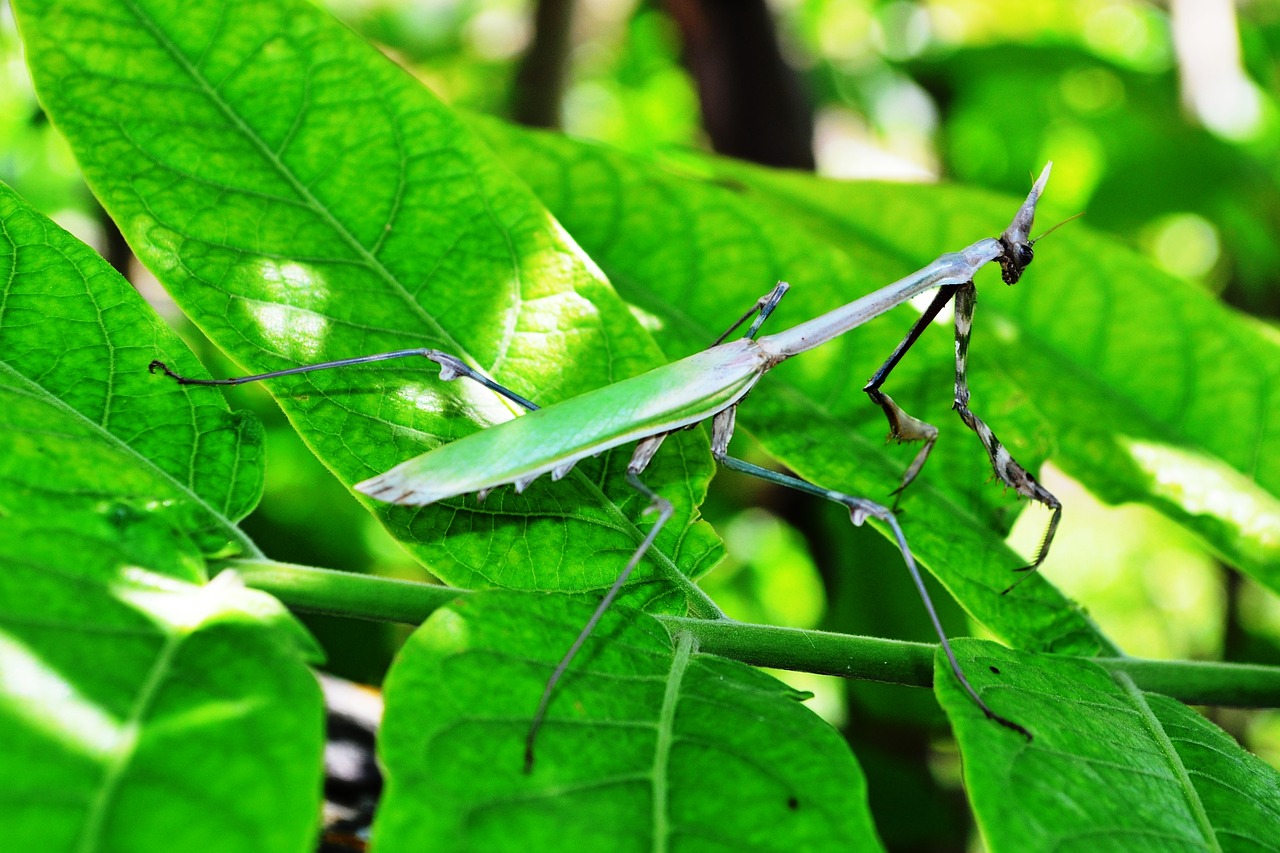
(1016, 239)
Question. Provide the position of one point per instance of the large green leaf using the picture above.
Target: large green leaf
(305, 199)
(1110, 768)
(645, 746)
(83, 422)
(125, 680)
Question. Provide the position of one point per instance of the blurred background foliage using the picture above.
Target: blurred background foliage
(1161, 119)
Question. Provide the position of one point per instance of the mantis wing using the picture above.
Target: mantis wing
(553, 439)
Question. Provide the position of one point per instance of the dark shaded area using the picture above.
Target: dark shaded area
(754, 106)
(538, 88)
(117, 253)
(352, 779)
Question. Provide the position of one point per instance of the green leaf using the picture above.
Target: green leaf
(82, 424)
(1111, 767)
(124, 679)
(142, 710)
(304, 199)
(695, 250)
(643, 749)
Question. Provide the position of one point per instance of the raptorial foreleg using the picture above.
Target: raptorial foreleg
(1006, 467)
(902, 426)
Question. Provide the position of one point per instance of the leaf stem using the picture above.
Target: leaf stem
(358, 596)
(333, 593)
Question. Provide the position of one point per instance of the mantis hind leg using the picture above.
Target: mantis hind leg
(861, 509)
(639, 461)
(451, 367)
(1006, 467)
(902, 426)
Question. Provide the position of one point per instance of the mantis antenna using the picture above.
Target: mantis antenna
(709, 386)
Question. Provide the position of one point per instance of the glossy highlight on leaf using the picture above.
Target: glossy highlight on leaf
(125, 678)
(144, 709)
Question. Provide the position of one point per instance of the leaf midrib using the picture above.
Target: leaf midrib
(1172, 759)
(665, 731)
(126, 749)
(371, 261)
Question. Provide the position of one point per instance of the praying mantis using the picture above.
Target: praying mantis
(710, 385)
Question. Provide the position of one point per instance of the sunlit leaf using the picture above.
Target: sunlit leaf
(126, 680)
(304, 199)
(143, 709)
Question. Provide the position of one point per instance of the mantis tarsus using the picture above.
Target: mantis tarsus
(710, 384)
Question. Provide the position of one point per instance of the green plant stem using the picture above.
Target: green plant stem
(803, 650)
(875, 658)
(333, 593)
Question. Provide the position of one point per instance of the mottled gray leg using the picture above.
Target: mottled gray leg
(1006, 467)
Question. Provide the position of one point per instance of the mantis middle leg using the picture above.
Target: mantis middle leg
(860, 509)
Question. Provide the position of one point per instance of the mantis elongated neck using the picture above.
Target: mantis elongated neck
(951, 268)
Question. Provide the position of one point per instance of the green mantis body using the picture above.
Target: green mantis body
(707, 385)
(553, 439)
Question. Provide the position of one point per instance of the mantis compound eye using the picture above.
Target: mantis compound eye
(1015, 259)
